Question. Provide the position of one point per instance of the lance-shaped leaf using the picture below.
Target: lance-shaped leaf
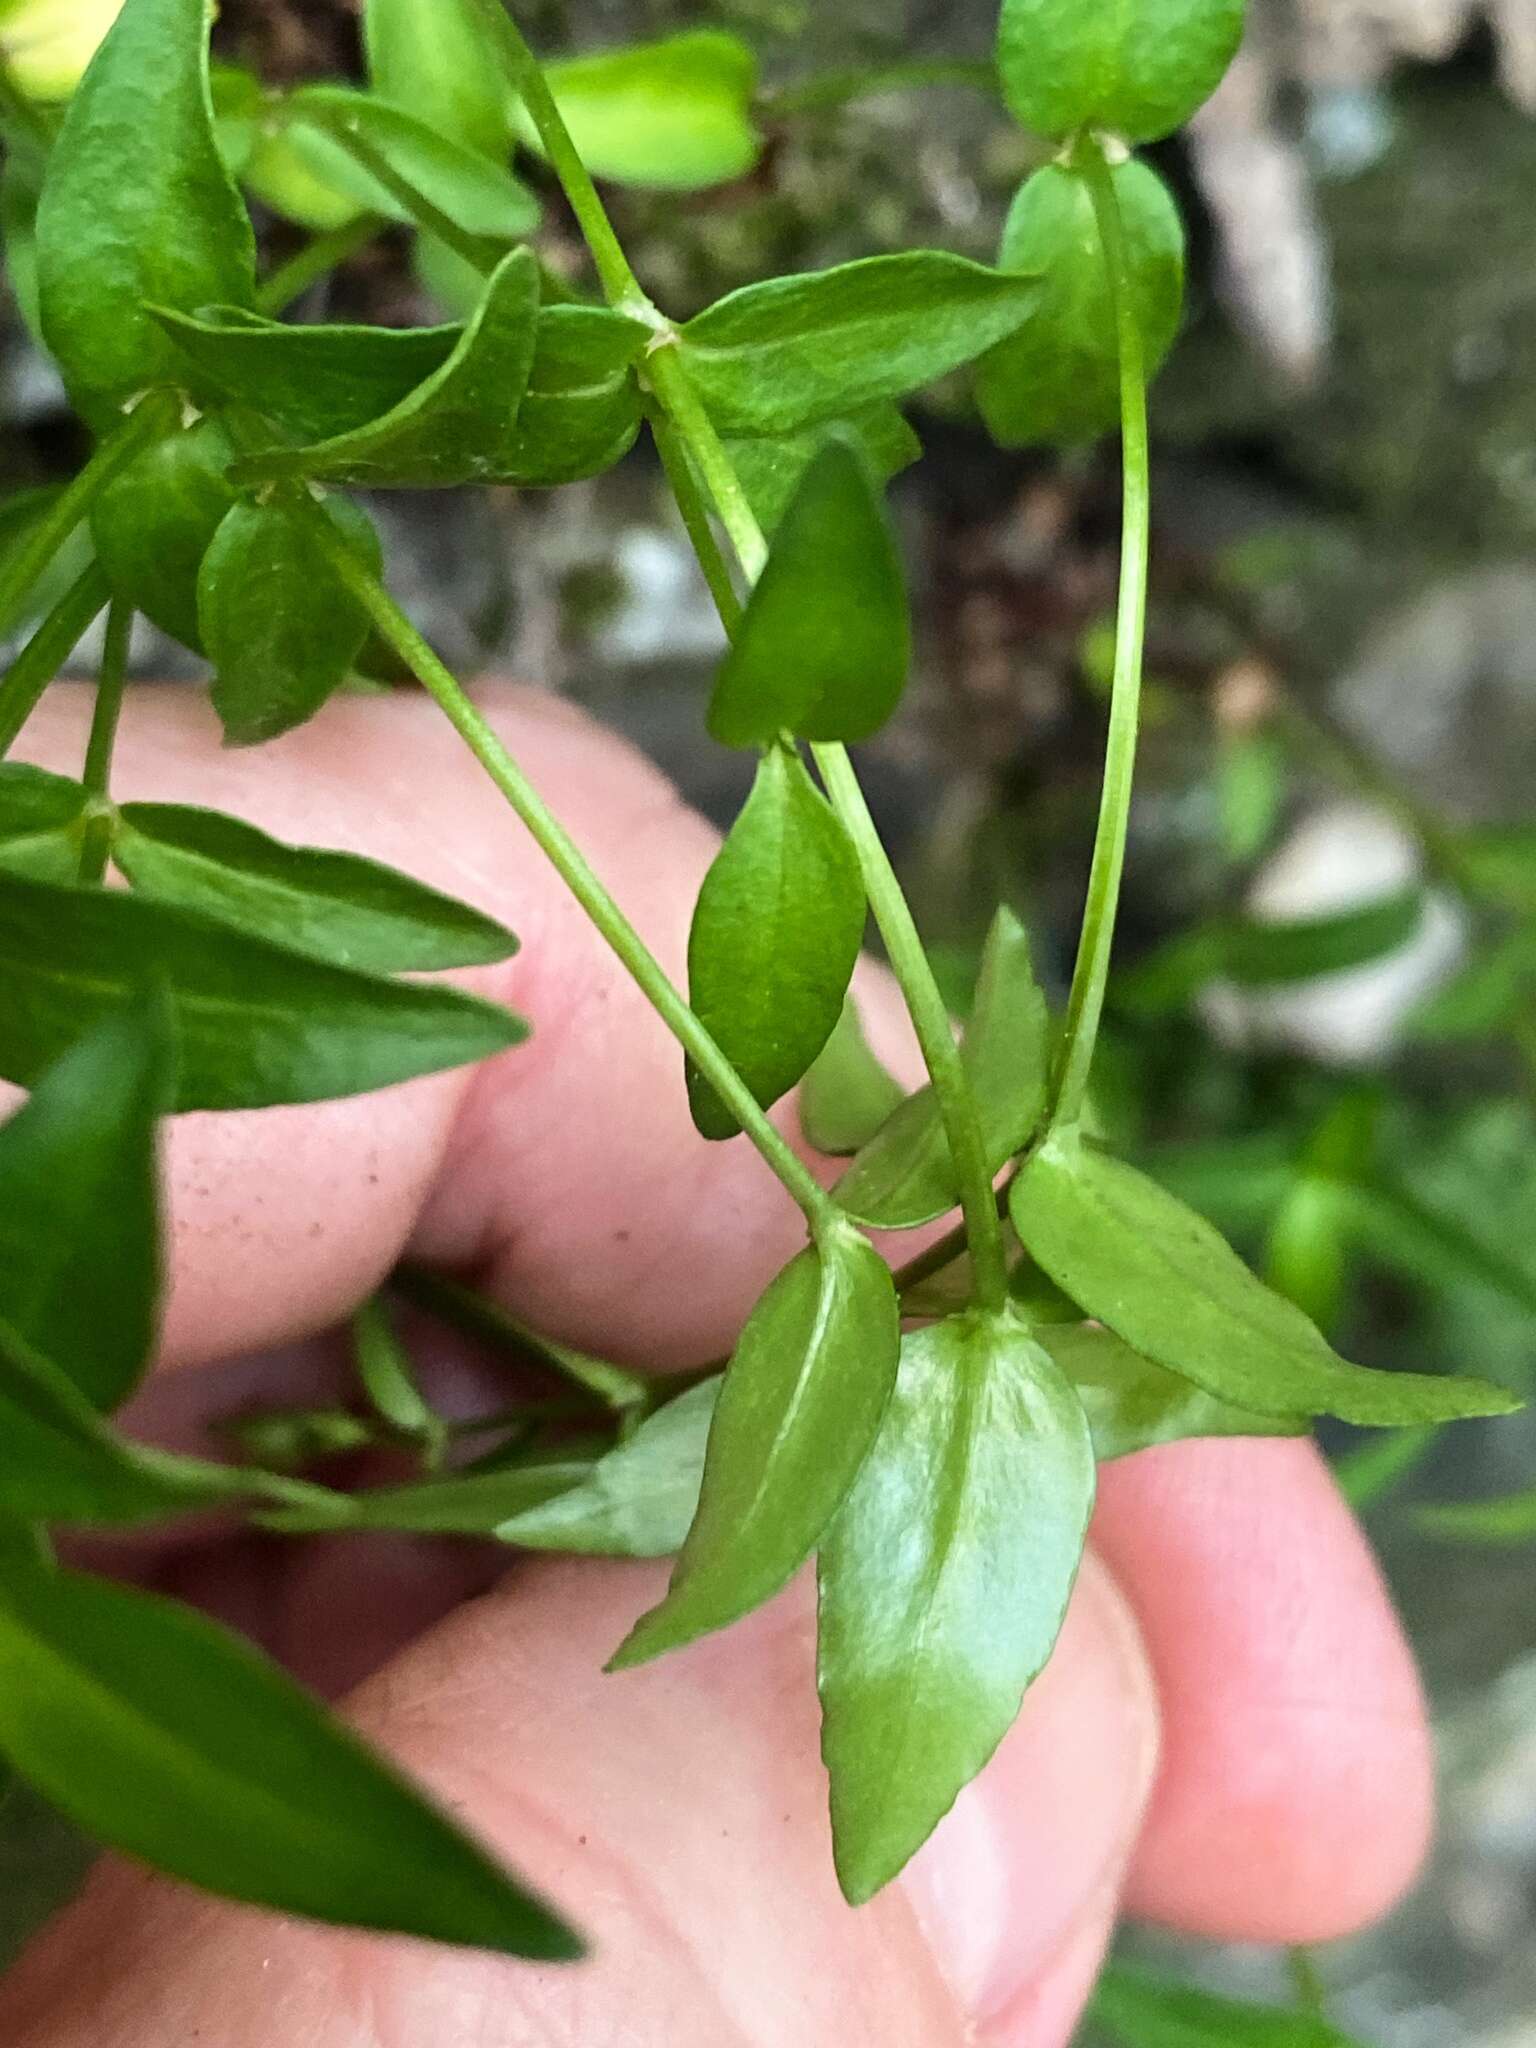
(675, 114)
(460, 426)
(1160, 1277)
(177, 1743)
(639, 1500)
(280, 627)
(581, 411)
(944, 1583)
(61, 1462)
(824, 647)
(847, 1094)
(905, 1176)
(1132, 1404)
(1058, 378)
(138, 206)
(775, 938)
(1139, 2010)
(22, 516)
(315, 382)
(775, 357)
(772, 469)
(439, 60)
(801, 1405)
(41, 819)
(334, 906)
(255, 1023)
(379, 155)
(156, 520)
(467, 1504)
(1139, 68)
(79, 1207)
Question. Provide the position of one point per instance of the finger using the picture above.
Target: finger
(678, 1814)
(1295, 1797)
(563, 1173)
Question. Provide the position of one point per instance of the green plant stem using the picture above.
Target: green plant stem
(46, 652)
(620, 285)
(96, 845)
(476, 1315)
(23, 568)
(689, 498)
(483, 255)
(571, 865)
(317, 259)
(1306, 1981)
(827, 91)
(669, 379)
(1085, 1008)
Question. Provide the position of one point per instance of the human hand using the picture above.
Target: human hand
(1229, 1739)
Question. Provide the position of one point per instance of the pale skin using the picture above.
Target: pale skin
(1230, 1740)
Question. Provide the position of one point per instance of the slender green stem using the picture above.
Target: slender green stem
(1085, 1008)
(620, 285)
(23, 568)
(683, 479)
(96, 846)
(570, 863)
(828, 90)
(673, 386)
(463, 1308)
(317, 259)
(46, 652)
(344, 128)
(931, 1021)
(1307, 1982)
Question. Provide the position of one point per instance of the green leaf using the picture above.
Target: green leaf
(293, 1439)
(47, 44)
(1257, 953)
(138, 207)
(1058, 378)
(79, 1209)
(336, 907)
(177, 1743)
(1501, 860)
(1430, 1249)
(156, 520)
(1139, 68)
(638, 1501)
(1309, 1244)
(1132, 1404)
(1511, 1519)
(675, 114)
(460, 426)
(1140, 2010)
(279, 626)
(826, 641)
(905, 1176)
(256, 1024)
(800, 1408)
(388, 1379)
(944, 1583)
(40, 823)
(772, 470)
(439, 60)
(316, 382)
(1367, 1476)
(775, 357)
(581, 411)
(61, 1462)
(775, 938)
(22, 516)
(1492, 993)
(467, 1504)
(338, 134)
(847, 1094)
(304, 176)
(1159, 1276)
(21, 185)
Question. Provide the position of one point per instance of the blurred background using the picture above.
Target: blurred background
(1324, 1026)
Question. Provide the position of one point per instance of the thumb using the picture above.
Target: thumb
(677, 1813)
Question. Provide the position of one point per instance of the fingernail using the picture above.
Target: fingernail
(1021, 1865)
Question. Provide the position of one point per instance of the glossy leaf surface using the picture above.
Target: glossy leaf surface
(156, 520)
(1139, 68)
(801, 1405)
(79, 1207)
(581, 410)
(824, 647)
(255, 1024)
(1132, 1404)
(460, 426)
(776, 935)
(439, 60)
(675, 115)
(776, 357)
(639, 1500)
(138, 206)
(944, 1583)
(1160, 1277)
(280, 628)
(335, 906)
(905, 1175)
(1058, 378)
(177, 1743)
